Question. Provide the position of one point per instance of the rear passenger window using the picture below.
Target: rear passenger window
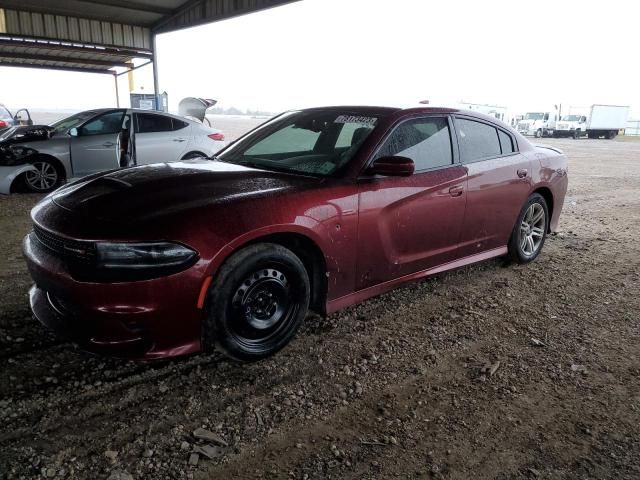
(426, 141)
(477, 140)
(506, 143)
(149, 123)
(179, 124)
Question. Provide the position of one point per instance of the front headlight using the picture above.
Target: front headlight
(143, 260)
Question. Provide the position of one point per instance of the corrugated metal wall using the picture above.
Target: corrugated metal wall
(57, 27)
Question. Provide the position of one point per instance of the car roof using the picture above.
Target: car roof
(166, 114)
(98, 111)
(403, 112)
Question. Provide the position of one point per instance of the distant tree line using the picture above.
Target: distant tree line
(237, 111)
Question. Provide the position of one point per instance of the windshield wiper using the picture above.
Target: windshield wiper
(262, 166)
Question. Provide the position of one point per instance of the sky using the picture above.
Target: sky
(524, 55)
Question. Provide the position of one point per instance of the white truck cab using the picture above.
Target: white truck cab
(571, 126)
(538, 124)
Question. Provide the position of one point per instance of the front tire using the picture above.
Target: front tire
(530, 231)
(538, 133)
(256, 303)
(48, 177)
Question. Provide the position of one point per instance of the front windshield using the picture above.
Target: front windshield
(4, 134)
(571, 118)
(5, 114)
(66, 124)
(315, 142)
(534, 116)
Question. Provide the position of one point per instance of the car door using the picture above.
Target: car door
(94, 147)
(160, 138)
(411, 224)
(499, 181)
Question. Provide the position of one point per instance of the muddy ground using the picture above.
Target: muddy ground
(393, 388)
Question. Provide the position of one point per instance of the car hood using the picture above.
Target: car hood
(149, 191)
(22, 134)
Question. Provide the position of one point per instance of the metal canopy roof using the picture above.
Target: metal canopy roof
(99, 35)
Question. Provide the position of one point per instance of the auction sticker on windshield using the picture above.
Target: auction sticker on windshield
(356, 119)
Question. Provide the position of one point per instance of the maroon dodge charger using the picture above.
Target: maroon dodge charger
(315, 209)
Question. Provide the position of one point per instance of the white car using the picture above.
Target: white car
(106, 139)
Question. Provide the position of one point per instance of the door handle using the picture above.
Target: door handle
(179, 139)
(456, 190)
(523, 172)
(108, 144)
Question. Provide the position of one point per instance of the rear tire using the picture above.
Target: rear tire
(530, 231)
(256, 303)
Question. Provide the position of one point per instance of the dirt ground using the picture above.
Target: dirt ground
(393, 388)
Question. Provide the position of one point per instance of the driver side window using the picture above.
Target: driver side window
(109, 123)
(426, 141)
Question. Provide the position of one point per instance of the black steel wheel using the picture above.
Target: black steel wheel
(256, 302)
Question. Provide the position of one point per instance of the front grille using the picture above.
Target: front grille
(84, 252)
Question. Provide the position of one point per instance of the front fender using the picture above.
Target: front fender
(239, 242)
(9, 174)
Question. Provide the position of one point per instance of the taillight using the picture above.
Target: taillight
(218, 137)
(4, 124)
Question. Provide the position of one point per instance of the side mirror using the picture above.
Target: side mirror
(392, 167)
(73, 132)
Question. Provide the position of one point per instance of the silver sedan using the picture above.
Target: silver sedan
(106, 139)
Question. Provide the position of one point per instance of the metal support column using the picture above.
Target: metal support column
(115, 80)
(156, 86)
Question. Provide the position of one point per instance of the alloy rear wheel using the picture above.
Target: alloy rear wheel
(529, 233)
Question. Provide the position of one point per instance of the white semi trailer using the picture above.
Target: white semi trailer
(602, 121)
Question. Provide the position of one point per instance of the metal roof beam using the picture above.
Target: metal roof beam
(60, 59)
(128, 5)
(64, 69)
(67, 45)
(91, 10)
(223, 10)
